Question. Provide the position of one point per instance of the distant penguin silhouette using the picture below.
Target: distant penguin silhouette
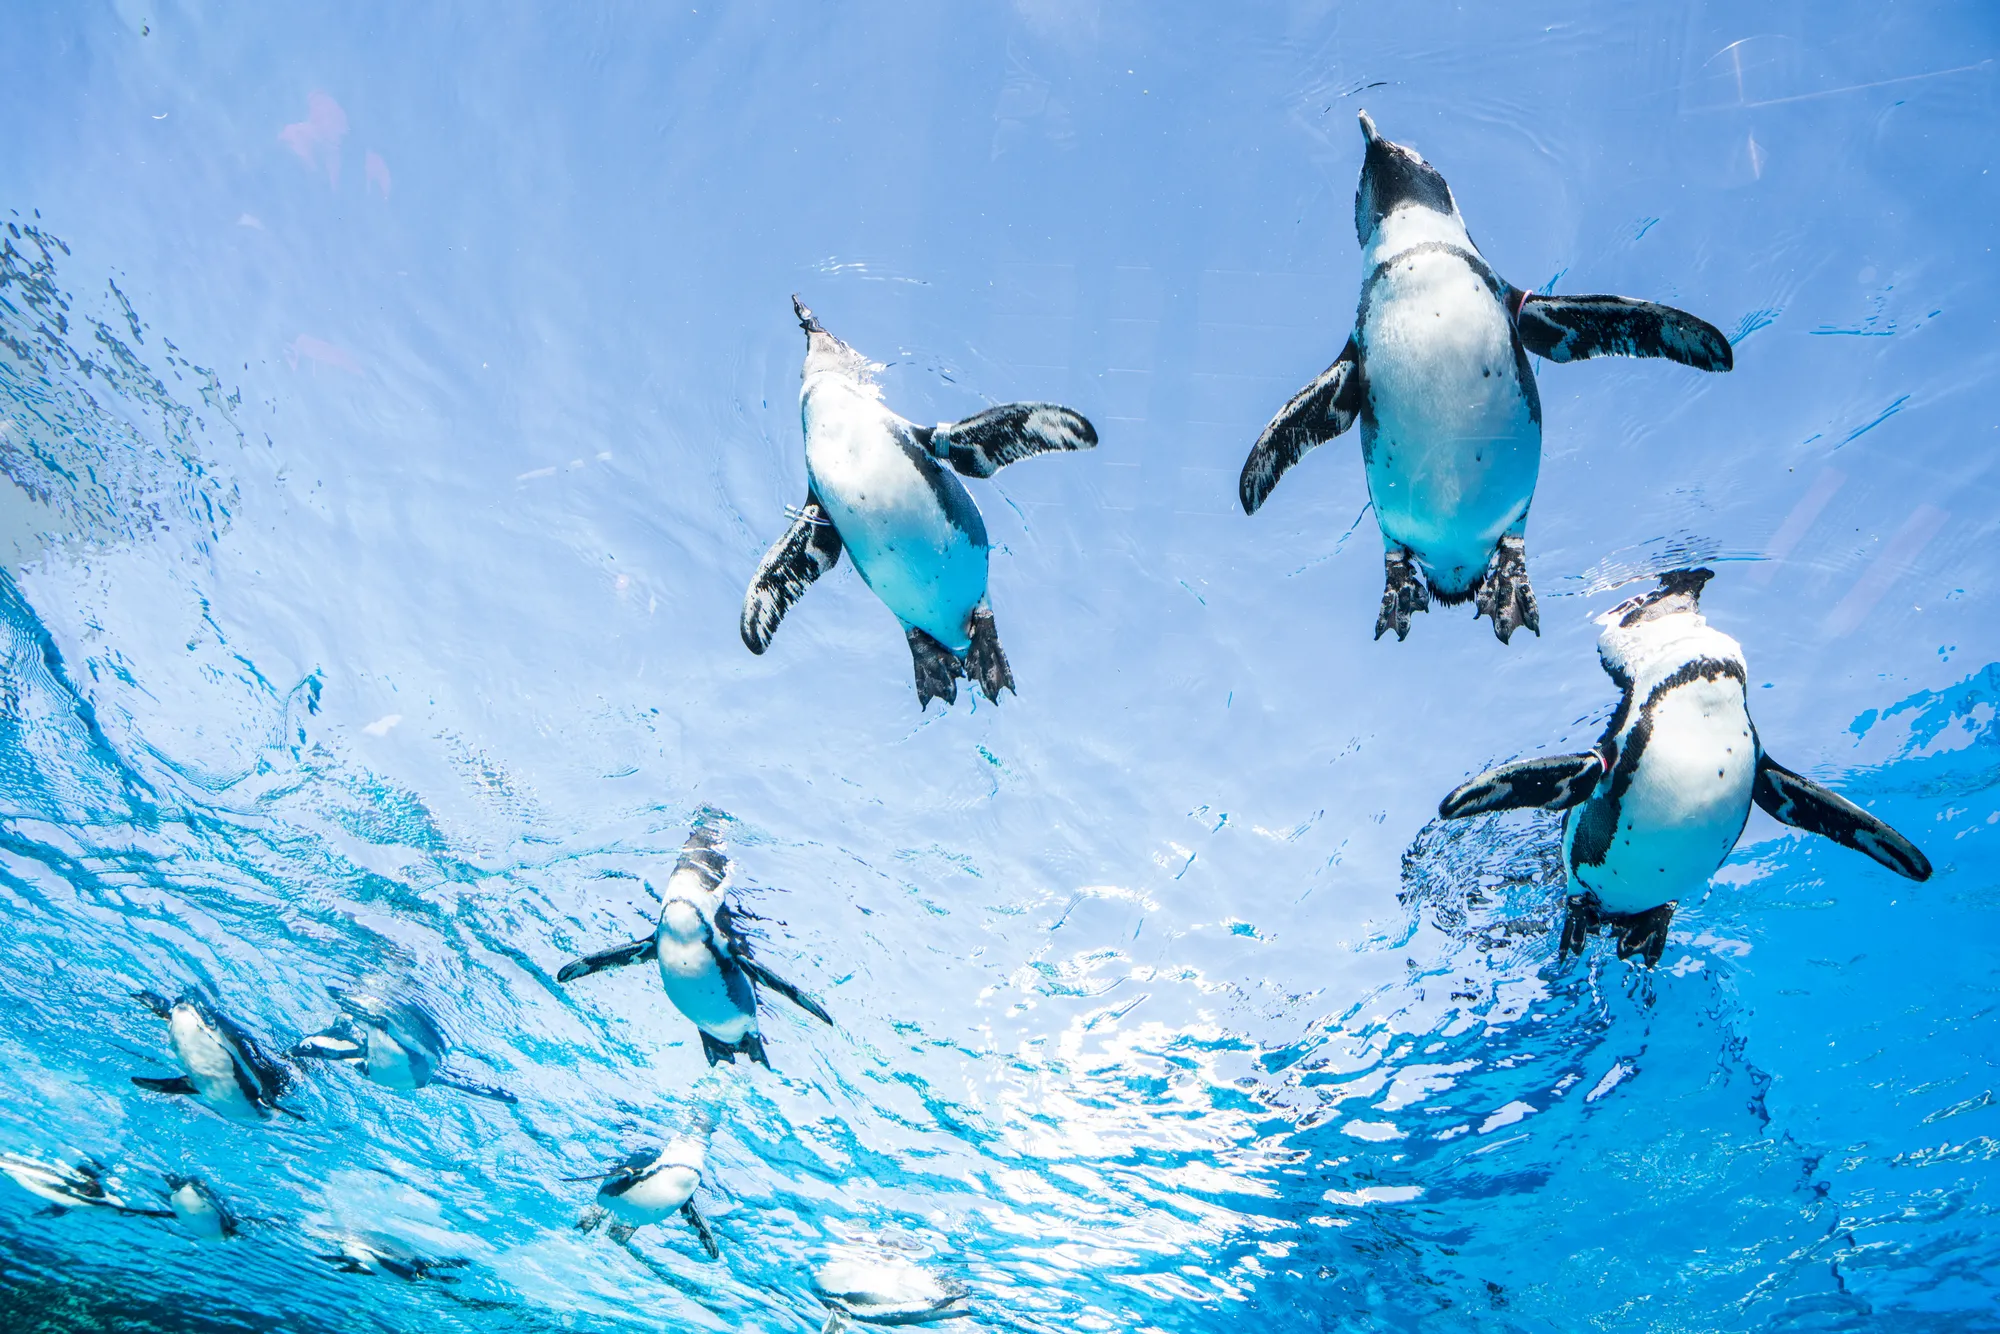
(66, 1186)
(392, 1043)
(200, 1210)
(226, 1069)
(1657, 806)
(879, 1287)
(875, 487)
(705, 962)
(1437, 372)
(377, 1253)
(650, 1186)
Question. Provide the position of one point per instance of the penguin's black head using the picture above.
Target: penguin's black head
(1679, 591)
(1393, 176)
(807, 320)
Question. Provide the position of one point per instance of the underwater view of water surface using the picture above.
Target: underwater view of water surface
(398, 401)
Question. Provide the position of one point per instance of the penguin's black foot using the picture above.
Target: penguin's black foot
(985, 664)
(1403, 594)
(1640, 933)
(1504, 593)
(938, 668)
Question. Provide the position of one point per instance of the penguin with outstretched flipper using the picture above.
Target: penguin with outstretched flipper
(1660, 801)
(706, 966)
(1436, 371)
(226, 1069)
(881, 488)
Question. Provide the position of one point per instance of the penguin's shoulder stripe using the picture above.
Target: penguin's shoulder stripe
(1495, 284)
(951, 495)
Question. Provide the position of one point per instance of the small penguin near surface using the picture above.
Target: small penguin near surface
(392, 1043)
(1658, 805)
(877, 488)
(879, 1287)
(705, 962)
(650, 1186)
(226, 1069)
(1437, 372)
(200, 1210)
(66, 1187)
(378, 1253)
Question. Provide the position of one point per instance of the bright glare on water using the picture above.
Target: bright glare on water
(399, 398)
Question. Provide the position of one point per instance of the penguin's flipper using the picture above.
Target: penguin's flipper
(131, 1211)
(1806, 805)
(1643, 933)
(476, 1089)
(938, 668)
(1571, 328)
(1547, 782)
(701, 1230)
(1316, 414)
(50, 1211)
(717, 1051)
(179, 1084)
(983, 444)
(765, 977)
(985, 665)
(160, 1006)
(809, 548)
(639, 951)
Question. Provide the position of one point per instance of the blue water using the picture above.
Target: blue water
(400, 397)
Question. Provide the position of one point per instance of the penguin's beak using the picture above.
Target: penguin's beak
(807, 321)
(1368, 127)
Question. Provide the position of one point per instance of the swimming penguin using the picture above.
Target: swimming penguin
(1660, 802)
(882, 1288)
(393, 1043)
(200, 1210)
(68, 1187)
(875, 487)
(1437, 370)
(650, 1186)
(375, 1253)
(225, 1067)
(705, 963)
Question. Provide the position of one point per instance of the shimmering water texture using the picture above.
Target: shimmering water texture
(396, 402)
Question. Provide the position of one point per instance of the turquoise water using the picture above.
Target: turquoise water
(398, 403)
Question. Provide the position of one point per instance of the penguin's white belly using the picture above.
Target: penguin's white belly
(196, 1214)
(698, 990)
(925, 568)
(1453, 452)
(209, 1065)
(388, 1064)
(1686, 806)
(655, 1198)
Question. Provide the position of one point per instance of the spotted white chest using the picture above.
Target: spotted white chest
(693, 980)
(927, 569)
(1452, 444)
(655, 1197)
(210, 1065)
(1676, 821)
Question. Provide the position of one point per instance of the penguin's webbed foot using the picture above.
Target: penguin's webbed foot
(1404, 593)
(938, 669)
(1504, 594)
(985, 664)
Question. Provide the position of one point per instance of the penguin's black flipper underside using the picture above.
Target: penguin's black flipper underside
(765, 977)
(809, 548)
(639, 951)
(1571, 328)
(1548, 782)
(701, 1230)
(1316, 414)
(1806, 805)
(983, 444)
(180, 1084)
